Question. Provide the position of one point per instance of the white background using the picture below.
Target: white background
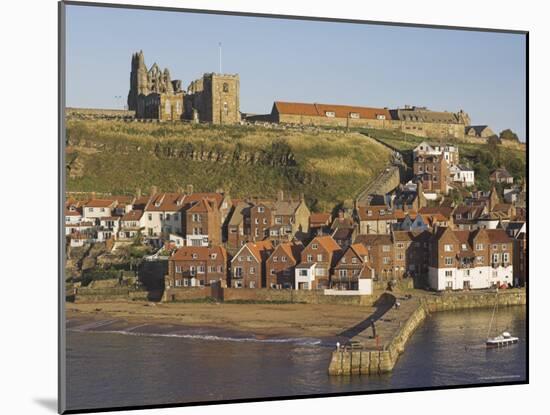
(28, 151)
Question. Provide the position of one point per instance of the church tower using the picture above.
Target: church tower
(138, 80)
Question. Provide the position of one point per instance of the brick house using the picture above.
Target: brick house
(353, 265)
(466, 217)
(316, 263)
(411, 254)
(197, 266)
(281, 264)
(248, 266)
(381, 255)
(203, 224)
(433, 171)
(238, 226)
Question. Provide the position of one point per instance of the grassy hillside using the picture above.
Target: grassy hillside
(483, 158)
(328, 167)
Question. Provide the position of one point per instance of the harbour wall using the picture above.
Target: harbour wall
(354, 360)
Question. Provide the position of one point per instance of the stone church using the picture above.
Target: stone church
(214, 98)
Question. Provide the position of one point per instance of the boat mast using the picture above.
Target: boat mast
(494, 312)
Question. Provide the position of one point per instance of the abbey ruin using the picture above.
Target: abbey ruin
(215, 98)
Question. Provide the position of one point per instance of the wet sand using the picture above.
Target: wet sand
(269, 320)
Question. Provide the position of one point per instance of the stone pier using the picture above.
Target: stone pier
(366, 354)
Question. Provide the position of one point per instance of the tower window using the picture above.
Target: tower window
(225, 87)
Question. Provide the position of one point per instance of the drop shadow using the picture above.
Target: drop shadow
(48, 403)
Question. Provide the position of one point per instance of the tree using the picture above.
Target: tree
(508, 135)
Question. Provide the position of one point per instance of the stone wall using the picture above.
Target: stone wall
(98, 113)
(85, 294)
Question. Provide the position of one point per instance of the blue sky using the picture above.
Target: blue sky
(339, 63)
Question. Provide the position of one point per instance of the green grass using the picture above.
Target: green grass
(118, 157)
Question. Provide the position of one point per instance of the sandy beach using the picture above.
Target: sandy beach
(273, 320)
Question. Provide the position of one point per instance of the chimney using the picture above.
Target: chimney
(302, 197)
(280, 195)
(138, 192)
(93, 195)
(154, 190)
(189, 189)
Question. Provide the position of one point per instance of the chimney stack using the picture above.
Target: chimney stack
(189, 189)
(138, 192)
(154, 190)
(280, 195)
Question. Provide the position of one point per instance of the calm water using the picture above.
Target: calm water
(107, 369)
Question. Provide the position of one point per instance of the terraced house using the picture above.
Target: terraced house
(164, 214)
(197, 266)
(377, 220)
(351, 268)
(470, 259)
(317, 263)
(248, 266)
(281, 264)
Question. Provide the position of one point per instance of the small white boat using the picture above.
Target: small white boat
(505, 339)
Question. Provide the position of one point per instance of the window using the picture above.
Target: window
(314, 246)
(479, 247)
(225, 87)
(495, 258)
(238, 271)
(149, 216)
(283, 259)
(400, 256)
(252, 270)
(343, 273)
(272, 272)
(192, 270)
(265, 221)
(256, 221)
(320, 257)
(495, 246)
(167, 216)
(275, 259)
(369, 212)
(448, 260)
(400, 244)
(200, 269)
(505, 257)
(448, 248)
(260, 209)
(212, 268)
(302, 273)
(240, 259)
(161, 216)
(249, 258)
(386, 248)
(320, 272)
(479, 259)
(213, 256)
(380, 117)
(194, 256)
(176, 216)
(386, 260)
(310, 258)
(504, 247)
(278, 220)
(449, 273)
(354, 260)
(178, 269)
(464, 247)
(330, 114)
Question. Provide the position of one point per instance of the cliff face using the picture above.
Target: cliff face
(329, 168)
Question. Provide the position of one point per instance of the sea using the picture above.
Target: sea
(112, 365)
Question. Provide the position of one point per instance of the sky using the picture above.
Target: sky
(482, 73)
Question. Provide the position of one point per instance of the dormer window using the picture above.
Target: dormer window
(213, 256)
(369, 212)
(194, 256)
(330, 114)
(354, 115)
(380, 117)
(260, 209)
(314, 246)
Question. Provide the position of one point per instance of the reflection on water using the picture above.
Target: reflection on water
(107, 369)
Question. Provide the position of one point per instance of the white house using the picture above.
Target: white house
(304, 275)
(98, 208)
(164, 214)
(462, 174)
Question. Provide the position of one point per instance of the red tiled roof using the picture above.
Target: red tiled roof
(165, 202)
(498, 236)
(317, 219)
(319, 110)
(100, 203)
(202, 206)
(328, 243)
(202, 252)
(133, 215)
